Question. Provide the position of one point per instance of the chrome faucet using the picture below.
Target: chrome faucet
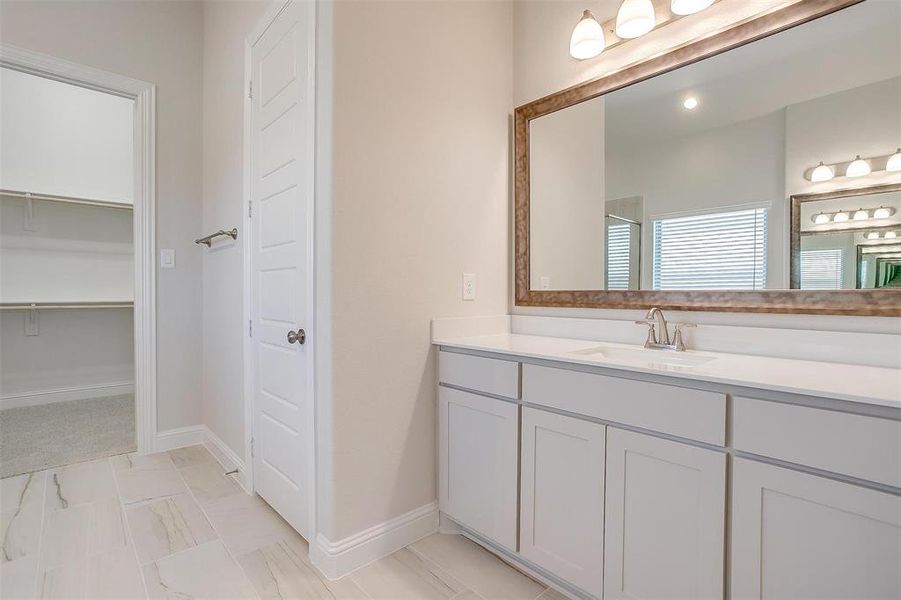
(658, 332)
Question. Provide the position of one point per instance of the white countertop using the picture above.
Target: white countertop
(869, 385)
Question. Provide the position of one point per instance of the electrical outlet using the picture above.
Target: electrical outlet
(469, 286)
(32, 325)
(167, 258)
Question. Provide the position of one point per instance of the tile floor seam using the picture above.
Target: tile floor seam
(213, 526)
(128, 532)
(38, 560)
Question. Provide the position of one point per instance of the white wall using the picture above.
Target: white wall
(158, 42)
(567, 206)
(225, 25)
(421, 195)
(65, 140)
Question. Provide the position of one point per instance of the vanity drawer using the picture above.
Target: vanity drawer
(693, 414)
(480, 374)
(856, 445)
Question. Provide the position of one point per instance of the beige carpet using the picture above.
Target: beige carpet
(33, 438)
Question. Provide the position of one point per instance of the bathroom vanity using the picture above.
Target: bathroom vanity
(614, 471)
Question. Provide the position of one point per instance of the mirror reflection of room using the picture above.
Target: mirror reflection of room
(701, 164)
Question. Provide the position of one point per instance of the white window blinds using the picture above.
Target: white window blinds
(618, 251)
(724, 250)
(821, 269)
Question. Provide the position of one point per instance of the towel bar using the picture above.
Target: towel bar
(208, 240)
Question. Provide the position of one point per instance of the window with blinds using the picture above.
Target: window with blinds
(723, 250)
(619, 249)
(821, 269)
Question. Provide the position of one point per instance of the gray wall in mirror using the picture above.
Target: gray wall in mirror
(708, 188)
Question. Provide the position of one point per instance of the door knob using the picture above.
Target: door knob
(297, 337)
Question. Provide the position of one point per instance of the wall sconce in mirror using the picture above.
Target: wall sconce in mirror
(858, 167)
(862, 214)
(634, 19)
(888, 235)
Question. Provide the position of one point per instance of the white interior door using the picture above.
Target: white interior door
(281, 195)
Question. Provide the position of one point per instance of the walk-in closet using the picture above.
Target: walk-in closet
(66, 273)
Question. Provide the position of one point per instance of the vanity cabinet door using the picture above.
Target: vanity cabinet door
(796, 535)
(665, 521)
(562, 515)
(478, 458)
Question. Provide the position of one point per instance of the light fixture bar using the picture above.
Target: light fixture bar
(664, 16)
(855, 167)
(844, 216)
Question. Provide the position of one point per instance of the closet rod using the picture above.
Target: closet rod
(66, 199)
(62, 305)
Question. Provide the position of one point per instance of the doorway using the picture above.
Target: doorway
(77, 309)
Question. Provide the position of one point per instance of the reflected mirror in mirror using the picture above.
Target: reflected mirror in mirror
(851, 242)
(683, 181)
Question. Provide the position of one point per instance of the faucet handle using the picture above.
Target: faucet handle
(677, 335)
(652, 331)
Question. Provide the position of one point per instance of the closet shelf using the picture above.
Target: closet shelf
(67, 199)
(63, 305)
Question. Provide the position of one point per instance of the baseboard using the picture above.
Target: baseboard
(102, 390)
(227, 458)
(179, 438)
(337, 559)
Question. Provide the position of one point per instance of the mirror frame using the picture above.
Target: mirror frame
(840, 302)
(798, 199)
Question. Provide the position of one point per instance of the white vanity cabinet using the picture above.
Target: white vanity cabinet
(562, 513)
(478, 463)
(665, 523)
(612, 487)
(796, 535)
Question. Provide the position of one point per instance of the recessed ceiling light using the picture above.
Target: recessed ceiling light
(690, 103)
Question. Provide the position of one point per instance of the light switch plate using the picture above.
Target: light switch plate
(469, 286)
(167, 258)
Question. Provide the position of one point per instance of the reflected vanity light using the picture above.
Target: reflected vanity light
(890, 235)
(690, 103)
(587, 40)
(894, 161)
(822, 172)
(861, 214)
(873, 235)
(858, 168)
(635, 18)
(689, 7)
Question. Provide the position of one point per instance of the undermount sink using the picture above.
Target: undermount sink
(646, 355)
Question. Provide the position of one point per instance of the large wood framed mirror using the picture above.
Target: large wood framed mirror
(690, 180)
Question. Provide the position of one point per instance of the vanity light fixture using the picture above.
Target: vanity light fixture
(894, 161)
(858, 168)
(690, 103)
(822, 218)
(587, 40)
(882, 212)
(635, 18)
(890, 235)
(840, 217)
(688, 7)
(822, 172)
(861, 215)
(873, 235)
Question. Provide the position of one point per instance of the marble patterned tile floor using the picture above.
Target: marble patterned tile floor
(173, 526)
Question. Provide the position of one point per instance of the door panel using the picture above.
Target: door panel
(562, 515)
(796, 535)
(281, 142)
(665, 521)
(478, 451)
